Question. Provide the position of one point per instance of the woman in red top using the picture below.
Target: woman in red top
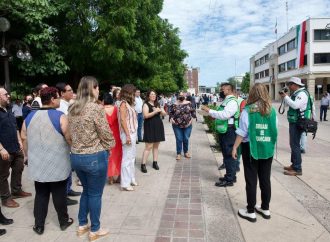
(116, 152)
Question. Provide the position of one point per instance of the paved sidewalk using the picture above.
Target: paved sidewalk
(180, 202)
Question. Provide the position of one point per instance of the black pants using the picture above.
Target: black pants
(323, 112)
(227, 141)
(43, 191)
(252, 170)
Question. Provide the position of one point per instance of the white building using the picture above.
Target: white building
(305, 55)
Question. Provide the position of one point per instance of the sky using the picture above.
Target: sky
(219, 33)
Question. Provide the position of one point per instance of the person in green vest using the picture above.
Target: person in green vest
(299, 106)
(257, 135)
(226, 123)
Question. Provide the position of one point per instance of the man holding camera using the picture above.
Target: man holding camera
(299, 106)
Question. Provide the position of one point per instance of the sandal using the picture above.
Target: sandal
(82, 230)
(187, 155)
(98, 234)
(178, 157)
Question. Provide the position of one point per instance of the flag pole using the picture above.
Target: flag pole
(287, 16)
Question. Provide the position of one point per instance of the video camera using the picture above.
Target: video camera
(284, 90)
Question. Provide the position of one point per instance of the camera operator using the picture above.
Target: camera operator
(298, 107)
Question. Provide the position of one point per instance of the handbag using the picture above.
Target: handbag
(305, 124)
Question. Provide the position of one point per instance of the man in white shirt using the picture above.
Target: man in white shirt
(66, 94)
(138, 110)
(226, 124)
(298, 107)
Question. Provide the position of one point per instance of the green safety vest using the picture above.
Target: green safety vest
(262, 133)
(293, 114)
(221, 126)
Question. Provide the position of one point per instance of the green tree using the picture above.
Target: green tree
(28, 20)
(117, 41)
(245, 87)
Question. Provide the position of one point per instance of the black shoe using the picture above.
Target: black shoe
(325, 120)
(39, 229)
(155, 165)
(224, 183)
(144, 168)
(2, 231)
(223, 179)
(70, 202)
(302, 151)
(66, 224)
(6, 221)
(72, 193)
(140, 140)
(137, 142)
(222, 167)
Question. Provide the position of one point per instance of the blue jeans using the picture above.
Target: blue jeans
(92, 172)
(295, 135)
(227, 141)
(140, 124)
(182, 136)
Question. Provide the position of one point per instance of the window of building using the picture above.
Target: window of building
(305, 60)
(291, 44)
(257, 63)
(281, 67)
(291, 64)
(321, 58)
(281, 50)
(256, 76)
(321, 34)
(266, 57)
(267, 72)
(262, 74)
(306, 37)
(262, 60)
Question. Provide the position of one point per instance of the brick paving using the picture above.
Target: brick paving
(182, 219)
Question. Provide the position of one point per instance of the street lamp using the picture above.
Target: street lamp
(23, 52)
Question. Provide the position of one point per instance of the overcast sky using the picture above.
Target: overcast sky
(216, 32)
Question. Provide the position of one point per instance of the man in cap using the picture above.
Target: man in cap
(299, 106)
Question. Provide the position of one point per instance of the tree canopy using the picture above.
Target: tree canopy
(245, 87)
(118, 41)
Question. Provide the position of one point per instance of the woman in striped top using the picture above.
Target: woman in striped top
(128, 132)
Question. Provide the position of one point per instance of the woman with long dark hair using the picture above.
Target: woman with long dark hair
(128, 125)
(153, 129)
(115, 158)
(181, 117)
(258, 134)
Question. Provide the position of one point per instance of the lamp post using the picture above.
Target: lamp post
(23, 52)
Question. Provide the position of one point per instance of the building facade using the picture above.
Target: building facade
(303, 52)
(191, 77)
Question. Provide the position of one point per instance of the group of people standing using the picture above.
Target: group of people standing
(252, 132)
(97, 139)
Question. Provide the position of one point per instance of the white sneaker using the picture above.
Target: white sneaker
(134, 184)
(264, 213)
(248, 216)
(128, 189)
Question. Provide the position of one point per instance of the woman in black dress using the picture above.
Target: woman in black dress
(153, 129)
